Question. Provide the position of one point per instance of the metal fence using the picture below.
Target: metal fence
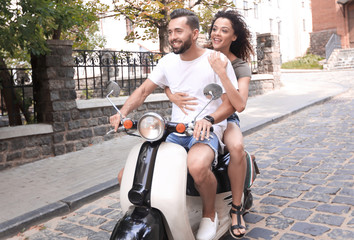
(19, 88)
(94, 70)
(334, 42)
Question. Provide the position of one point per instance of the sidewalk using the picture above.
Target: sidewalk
(50, 187)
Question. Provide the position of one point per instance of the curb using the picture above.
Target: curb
(55, 209)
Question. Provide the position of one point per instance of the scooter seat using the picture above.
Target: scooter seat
(220, 172)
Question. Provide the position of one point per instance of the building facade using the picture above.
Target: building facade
(332, 17)
(291, 20)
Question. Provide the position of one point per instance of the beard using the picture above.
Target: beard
(184, 47)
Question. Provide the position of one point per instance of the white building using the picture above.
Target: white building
(290, 19)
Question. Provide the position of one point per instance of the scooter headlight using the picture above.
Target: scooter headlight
(151, 126)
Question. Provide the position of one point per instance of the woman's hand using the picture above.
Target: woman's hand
(217, 64)
(182, 100)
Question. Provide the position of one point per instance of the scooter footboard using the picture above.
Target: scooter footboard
(140, 223)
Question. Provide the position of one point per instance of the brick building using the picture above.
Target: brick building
(332, 17)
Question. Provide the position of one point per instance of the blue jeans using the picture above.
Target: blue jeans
(189, 141)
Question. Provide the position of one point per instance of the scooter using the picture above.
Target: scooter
(157, 193)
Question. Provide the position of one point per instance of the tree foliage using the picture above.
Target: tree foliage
(152, 16)
(26, 25)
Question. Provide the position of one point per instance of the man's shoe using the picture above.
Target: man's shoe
(207, 228)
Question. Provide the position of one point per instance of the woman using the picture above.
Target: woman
(229, 35)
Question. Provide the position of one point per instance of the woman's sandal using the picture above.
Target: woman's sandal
(238, 212)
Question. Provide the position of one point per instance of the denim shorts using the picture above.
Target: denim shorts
(234, 118)
(189, 141)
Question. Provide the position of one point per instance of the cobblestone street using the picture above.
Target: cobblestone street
(305, 190)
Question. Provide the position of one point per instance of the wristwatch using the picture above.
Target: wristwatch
(209, 118)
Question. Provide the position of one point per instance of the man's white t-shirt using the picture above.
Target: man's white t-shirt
(191, 77)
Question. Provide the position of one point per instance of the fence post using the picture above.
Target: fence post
(268, 56)
(54, 89)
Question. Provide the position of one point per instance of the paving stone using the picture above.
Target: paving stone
(300, 187)
(303, 204)
(333, 208)
(347, 192)
(292, 174)
(312, 229)
(339, 234)
(92, 221)
(286, 193)
(326, 190)
(261, 191)
(328, 219)
(341, 184)
(99, 236)
(261, 233)
(296, 213)
(316, 197)
(265, 209)
(74, 230)
(252, 218)
(300, 168)
(274, 201)
(290, 236)
(109, 226)
(279, 185)
(102, 211)
(278, 222)
(259, 183)
(345, 200)
(314, 181)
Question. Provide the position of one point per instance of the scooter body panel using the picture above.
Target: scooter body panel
(170, 179)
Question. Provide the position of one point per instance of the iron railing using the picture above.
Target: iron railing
(333, 43)
(20, 88)
(95, 69)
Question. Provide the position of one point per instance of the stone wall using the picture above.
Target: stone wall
(318, 41)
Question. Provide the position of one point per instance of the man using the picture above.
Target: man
(187, 70)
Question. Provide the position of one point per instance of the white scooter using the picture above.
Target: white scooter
(157, 193)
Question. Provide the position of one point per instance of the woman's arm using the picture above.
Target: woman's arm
(181, 100)
(238, 97)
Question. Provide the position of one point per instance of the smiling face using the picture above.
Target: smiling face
(180, 35)
(222, 35)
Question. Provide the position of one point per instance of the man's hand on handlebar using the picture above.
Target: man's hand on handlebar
(115, 121)
(202, 129)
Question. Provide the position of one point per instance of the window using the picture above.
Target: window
(304, 25)
(270, 25)
(245, 8)
(279, 27)
(255, 10)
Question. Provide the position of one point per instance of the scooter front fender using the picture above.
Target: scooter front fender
(140, 223)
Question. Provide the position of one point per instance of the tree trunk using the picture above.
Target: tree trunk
(9, 96)
(163, 36)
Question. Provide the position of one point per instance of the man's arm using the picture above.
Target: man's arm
(202, 126)
(134, 101)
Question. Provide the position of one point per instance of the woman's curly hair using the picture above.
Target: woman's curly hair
(242, 47)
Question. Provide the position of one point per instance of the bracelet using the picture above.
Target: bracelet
(209, 119)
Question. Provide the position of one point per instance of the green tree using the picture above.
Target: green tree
(152, 16)
(26, 25)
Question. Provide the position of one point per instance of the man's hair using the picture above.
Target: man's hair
(192, 18)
